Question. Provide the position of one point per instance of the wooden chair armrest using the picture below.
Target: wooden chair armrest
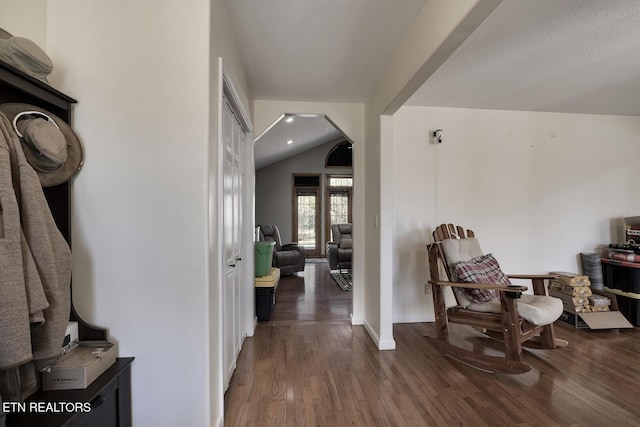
(494, 286)
(532, 276)
(536, 279)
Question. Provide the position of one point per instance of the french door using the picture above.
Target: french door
(306, 219)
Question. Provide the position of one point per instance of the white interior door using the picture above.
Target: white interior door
(234, 248)
(238, 241)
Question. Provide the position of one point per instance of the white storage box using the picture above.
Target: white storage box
(81, 366)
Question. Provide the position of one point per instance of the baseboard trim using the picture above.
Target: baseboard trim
(387, 345)
(381, 344)
(357, 320)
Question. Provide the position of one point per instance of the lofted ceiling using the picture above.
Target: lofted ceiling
(573, 56)
(305, 131)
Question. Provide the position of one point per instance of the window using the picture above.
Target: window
(340, 156)
(339, 197)
(340, 181)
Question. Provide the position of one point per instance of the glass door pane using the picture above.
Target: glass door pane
(338, 207)
(307, 208)
(339, 196)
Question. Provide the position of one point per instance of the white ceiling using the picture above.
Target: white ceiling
(306, 131)
(575, 56)
(317, 50)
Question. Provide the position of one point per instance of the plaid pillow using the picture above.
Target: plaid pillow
(483, 269)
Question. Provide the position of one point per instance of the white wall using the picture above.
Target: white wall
(139, 203)
(26, 18)
(537, 188)
(273, 188)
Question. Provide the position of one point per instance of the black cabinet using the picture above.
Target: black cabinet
(623, 279)
(105, 403)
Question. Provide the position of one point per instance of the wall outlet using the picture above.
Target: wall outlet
(427, 288)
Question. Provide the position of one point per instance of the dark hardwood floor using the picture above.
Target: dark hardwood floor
(313, 368)
(311, 296)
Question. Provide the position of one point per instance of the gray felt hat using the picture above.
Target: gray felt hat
(4, 34)
(25, 55)
(50, 146)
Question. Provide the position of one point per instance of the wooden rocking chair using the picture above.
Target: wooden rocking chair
(515, 319)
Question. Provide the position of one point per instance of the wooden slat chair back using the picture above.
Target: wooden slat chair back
(504, 324)
(445, 231)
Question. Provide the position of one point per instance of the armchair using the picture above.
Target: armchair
(340, 250)
(488, 301)
(288, 258)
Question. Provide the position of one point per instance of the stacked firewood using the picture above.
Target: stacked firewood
(579, 288)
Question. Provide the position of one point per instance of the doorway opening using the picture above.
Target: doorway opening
(304, 183)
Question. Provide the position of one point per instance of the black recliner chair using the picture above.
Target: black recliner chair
(340, 250)
(288, 258)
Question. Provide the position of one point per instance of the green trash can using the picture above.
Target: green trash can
(264, 253)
